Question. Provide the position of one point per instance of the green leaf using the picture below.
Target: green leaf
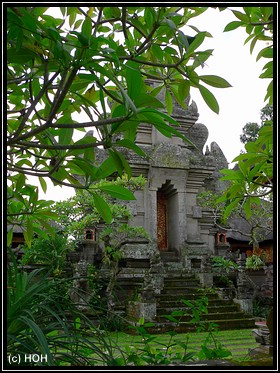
(241, 16)
(43, 184)
(269, 93)
(268, 74)
(157, 52)
(184, 89)
(131, 145)
(65, 134)
(231, 206)
(20, 181)
(20, 56)
(233, 25)
(106, 169)
(170, 24)
(247, 207)
(149, 17)
(170, 318)
(196, 43)
(87, 27)
(43, 343)
(160, 114)
(253, 43)
(266, 53)
(133, 79)
(86, 140)
(209, 99)
(28, 232)
(117, 191)
(168, 102)
(81, 166)
(215, 81)
(125, 164)
(103, 208)
(144, 100)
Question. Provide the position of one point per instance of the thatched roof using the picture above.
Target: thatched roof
(241, 229)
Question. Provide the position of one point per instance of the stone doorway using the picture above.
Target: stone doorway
(167, 217)
(162, 221)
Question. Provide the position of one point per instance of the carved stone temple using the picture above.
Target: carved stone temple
(176, 172)
(183, 236)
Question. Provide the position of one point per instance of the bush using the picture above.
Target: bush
(50, 252)
(42, 319)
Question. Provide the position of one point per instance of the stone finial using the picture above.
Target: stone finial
(89, 133)
(218, 154)
(198, 134)
(193, 108)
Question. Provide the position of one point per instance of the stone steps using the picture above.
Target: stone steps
(184, 327)
(175, 303)
(169, 256)
(223, 312)
(211, 309)
(209, 316)
(179, 294)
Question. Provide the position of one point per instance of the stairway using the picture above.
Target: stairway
(224, 313)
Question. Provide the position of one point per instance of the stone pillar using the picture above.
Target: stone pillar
(80, 292)
(141, 309)
(151, 211)
(245, 287)
(145, 307)
(182, 202)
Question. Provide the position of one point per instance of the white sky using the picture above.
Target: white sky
(238, 105)
(231, 60)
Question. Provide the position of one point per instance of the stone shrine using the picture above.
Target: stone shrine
(182, 234)
(176, 172)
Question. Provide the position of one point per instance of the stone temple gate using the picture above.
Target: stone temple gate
(183, 236)
(176, 172)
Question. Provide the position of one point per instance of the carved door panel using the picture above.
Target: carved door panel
(162, 228)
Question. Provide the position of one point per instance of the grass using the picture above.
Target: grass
(236, 341)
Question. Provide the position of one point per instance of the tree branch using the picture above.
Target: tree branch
(98, 21)
(33, 144)
(142, 47)
(76, 186)
(16, 136)
(101, 122)
(124, 22)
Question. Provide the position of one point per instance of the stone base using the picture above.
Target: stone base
(246, 305)
(137, 310)
(206, 279)
(261, 351)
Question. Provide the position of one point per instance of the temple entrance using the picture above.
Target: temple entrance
(167, 217)
(162, 222)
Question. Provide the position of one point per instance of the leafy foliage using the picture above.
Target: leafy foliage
(259, 220)
(220, 264)
(258, 23)
(81, 211)
(42, 319)
(51, 252)
(253, 179)
(254, 262)
(251, 129)
(96, 63)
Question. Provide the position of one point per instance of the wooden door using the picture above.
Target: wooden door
(162, 227)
